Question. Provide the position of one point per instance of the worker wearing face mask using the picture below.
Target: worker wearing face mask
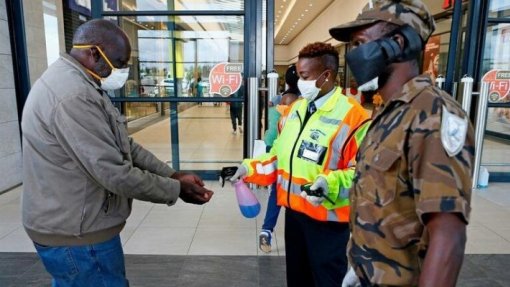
(312, 162)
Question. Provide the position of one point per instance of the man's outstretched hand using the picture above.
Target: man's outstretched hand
(192, 188)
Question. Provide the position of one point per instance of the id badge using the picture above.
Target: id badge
(312, 152)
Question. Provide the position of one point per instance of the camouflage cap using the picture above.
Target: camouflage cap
(399, 12)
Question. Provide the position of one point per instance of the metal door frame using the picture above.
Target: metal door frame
(252, 14)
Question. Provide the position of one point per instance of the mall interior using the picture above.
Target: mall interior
(178, 107)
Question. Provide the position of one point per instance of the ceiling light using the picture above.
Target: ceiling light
(306, 10)
(282, 6)
(302, 15)
(299, 19)
(310, 5)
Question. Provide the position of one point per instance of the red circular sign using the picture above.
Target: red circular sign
(225, 78)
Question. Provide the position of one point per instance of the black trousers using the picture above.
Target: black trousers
(315, 251)
(236, 113)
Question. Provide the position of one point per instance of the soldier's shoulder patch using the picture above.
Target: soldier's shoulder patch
(453, 132)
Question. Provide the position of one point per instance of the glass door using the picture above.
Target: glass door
(186, 76)
(496, 153)
(496, 56)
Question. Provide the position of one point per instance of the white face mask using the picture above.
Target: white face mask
(115, 80)
(308, 88)
(370, 86)
(117, 77)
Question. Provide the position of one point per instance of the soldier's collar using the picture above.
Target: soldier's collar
(413, 87)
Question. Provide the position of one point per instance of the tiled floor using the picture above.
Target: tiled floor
(218, 228)
(213, 245)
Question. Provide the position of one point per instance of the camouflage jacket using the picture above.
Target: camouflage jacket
(416, 158)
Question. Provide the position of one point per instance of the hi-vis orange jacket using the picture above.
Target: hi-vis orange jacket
(325, 146)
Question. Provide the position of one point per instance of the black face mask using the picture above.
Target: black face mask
(370, 60)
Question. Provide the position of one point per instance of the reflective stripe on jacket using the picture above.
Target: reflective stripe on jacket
(326, 146)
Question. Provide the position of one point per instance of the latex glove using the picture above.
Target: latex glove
(320, 184)
(351, 279)
(240, 173)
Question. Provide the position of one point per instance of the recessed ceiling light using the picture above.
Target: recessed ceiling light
(282, 6)
(306, 10)
(310, 5)
(302, 15)
(299, 19)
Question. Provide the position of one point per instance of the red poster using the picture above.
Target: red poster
(431, 56)
(225, 78)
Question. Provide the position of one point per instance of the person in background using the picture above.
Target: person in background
(410, 202)
(81, 170)
(199, 89)
(275, 112)
(313, 159)
(236, 112)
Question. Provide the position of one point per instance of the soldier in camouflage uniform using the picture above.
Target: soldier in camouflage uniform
(410, 202)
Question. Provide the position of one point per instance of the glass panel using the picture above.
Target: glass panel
(499, 9)
(206, 139)
(44, 40)
(497, 56)
(177, 5)
(148, 111)
(435, 57)
(150, 127)
(171, 53)
(497, 48)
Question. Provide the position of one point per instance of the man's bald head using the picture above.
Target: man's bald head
(100, 32)
(108, 37)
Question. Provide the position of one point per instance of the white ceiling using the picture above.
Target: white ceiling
(292, 16)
